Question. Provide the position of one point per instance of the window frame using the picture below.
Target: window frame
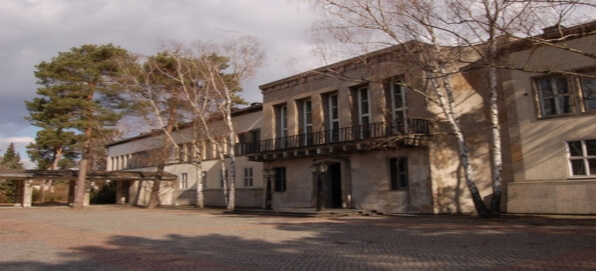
(361, 115)
(585, 158)
(540, 98)
(395, 173)
(248, 178)
(333, 118)
(183, 181)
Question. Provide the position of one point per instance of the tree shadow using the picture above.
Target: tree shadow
(410, 243)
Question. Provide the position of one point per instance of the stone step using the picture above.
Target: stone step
(303, 212)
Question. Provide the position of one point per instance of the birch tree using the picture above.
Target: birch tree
(217, 71)
(447, 28)
(159, 101)
(207, 78)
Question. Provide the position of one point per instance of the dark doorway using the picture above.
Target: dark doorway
(334, 195)
(126, 192)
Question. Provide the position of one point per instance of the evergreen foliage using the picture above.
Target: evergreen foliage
(80, 101)
(10, 160)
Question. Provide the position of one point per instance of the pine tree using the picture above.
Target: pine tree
(11, 160)
(79, 93)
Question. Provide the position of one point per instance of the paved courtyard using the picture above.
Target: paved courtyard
(127, 238)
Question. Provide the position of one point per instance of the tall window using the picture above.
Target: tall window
(363, 111)
(283, 121)
(282, 126)
(204, 178)
(184, 181)
(398, 106)
(280, 179)
(554, 96)
(398, 168)
(582, 157)
(306, 117)
(248, 177)
(333, 117)
(588, 86)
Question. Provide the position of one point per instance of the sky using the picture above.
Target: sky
(32, 31)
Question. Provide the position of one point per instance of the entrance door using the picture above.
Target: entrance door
(334, 194)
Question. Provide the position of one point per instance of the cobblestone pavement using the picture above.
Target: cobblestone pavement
(127, 238)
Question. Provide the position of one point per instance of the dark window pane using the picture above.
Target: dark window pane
(403, 181)
(590, 147)
(575, 148)
(564, 104)
(546, 89)
(393, 173)
(398, 168)
(592, 165)
(578, 167)
(561, 85)
(589, 93)
(280, 179)
(549, 107)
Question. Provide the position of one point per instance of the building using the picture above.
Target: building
(138, 153)
(551, 120)
(382, 146)
(358, 134)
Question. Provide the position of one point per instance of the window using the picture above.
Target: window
(363, 106)
(363, 111)
(247, 177)
(282, 126)
(582, 157)
(588, 93)
(280, 179)
(554, 96)
(333, 117)
(283, 121)
(398, 168)
(306, 120)
(397, 92)
(204, 178)
(184, 181)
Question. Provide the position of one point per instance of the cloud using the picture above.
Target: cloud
(36, 30)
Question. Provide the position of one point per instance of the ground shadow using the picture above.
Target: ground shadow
(407, 243)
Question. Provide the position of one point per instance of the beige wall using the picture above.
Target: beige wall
(172, 193)
(436, 178)
(543, 181)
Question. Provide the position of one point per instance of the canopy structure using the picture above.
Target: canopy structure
(25, 177)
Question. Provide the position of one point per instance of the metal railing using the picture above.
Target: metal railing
(409, 126)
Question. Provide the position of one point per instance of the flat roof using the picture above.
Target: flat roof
(32, 174)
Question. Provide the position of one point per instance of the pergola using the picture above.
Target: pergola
(24, 179)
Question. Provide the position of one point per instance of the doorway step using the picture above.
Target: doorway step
(303, 212)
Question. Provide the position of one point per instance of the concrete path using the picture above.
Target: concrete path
(126, 238)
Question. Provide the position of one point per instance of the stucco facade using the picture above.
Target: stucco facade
(123, 155)
(544, 177)
(414, 170)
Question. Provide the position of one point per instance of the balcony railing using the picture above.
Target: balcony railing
(410, 126)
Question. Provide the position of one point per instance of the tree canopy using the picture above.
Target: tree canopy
(80, 100)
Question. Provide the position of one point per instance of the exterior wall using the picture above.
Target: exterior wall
(173, 193)
(543, 181)
(437, 184)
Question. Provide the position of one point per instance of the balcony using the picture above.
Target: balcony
(409, 132)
